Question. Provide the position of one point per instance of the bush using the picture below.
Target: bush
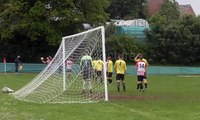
(125, 45)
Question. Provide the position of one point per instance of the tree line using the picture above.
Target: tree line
(34, 28)
(172, 39)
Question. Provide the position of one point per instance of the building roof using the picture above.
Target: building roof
(154, 7)
(186, 9)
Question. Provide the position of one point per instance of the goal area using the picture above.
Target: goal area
(65, 79)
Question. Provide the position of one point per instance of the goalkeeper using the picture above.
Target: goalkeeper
(86, 67)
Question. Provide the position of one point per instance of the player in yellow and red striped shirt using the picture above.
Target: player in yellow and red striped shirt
(140, 58)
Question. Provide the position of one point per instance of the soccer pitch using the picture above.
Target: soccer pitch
(168, 98)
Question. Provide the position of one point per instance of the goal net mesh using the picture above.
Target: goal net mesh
(62, 81)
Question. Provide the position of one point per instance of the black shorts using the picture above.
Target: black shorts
(99, 73)
(87, 75)
(69, 70)
(120, 77)
(140, 78)
(109, 74)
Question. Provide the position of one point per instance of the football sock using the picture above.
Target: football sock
(138, 86)
(124, 87)
(141, 86)
(109, 81)
(101, 79)
(118, 86)
(145, 84)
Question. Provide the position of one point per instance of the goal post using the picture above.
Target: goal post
(69, 77)
(64, 76)
(104, 65)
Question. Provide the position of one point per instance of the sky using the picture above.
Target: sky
(195, 4)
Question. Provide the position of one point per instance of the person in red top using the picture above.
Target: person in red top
(69, 64)
(47, 61)
(141, 67)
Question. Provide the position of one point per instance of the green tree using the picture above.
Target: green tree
(170, 10)
(50, 19)
(122, 44)
(26, 25)
(176, 42)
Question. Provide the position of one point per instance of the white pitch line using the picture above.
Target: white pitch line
(189, 76)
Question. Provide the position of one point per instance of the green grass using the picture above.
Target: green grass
(168, 98)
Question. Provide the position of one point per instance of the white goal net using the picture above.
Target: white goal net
(71, 76)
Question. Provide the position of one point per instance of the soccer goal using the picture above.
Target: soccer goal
(63, 80)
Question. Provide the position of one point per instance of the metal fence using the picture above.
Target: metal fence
(152, 70)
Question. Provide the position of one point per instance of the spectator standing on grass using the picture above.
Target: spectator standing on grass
(18, 64)
(120, 70)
